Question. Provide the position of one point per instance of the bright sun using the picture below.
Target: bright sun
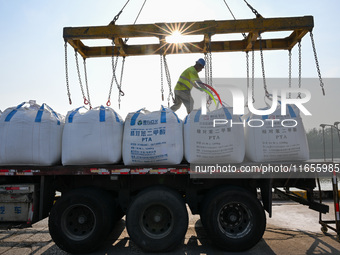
(175, 37)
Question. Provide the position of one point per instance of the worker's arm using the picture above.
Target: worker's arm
(198, 84)
(201, 86)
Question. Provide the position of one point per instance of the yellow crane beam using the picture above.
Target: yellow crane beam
(296, 26)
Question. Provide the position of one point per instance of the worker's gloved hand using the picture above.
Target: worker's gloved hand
(199, 85)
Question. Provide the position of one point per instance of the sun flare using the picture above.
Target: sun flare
(175, 37)
(178, 37)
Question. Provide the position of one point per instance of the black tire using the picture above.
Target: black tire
(233, 218)
(157, 220)
(81, 220)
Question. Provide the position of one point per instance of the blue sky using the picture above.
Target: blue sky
(32, 58)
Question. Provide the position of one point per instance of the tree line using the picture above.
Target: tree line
(319, 138)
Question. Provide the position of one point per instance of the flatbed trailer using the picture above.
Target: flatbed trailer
(153, 198)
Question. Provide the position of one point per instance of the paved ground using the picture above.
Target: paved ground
(293, 229)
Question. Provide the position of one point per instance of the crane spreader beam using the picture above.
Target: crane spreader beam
(297, 26)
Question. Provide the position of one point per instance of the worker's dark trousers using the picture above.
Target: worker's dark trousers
(183, 96)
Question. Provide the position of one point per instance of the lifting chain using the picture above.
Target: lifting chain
(168, 78)
(113, 74)
(247, 61)
(258, 15)
(121, 93)
(208, 63)
(317, 63)
(253, 73)
(108, 103)
(263, 72)
(114, 78)
(208, 72)
(290, 71)
(247, 65)
(300, 65)
(162, 88)
(66, 72)
(206, 69)
(117, 16)
(86, 84)
(210, 67)
(120, 12)
(79, 77)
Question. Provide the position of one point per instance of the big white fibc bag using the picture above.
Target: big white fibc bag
(275, 137)
(92, 137)
(152, 138)
(30, 134)
(212, 138)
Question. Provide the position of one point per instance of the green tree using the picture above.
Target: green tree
(319, 138)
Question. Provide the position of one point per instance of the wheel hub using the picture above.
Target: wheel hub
(78, 222)
(232, 218)
(82, 219)
(235, 220)
(157, 221)
(230, 215)
(158, 218)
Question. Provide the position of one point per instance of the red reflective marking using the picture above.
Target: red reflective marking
(12, 188)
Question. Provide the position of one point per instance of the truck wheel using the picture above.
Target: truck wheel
(157, 219)
(81, 219)
(234, 219)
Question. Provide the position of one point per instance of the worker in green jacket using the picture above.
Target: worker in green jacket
(188, 79)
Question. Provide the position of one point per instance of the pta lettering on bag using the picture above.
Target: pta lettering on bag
(152, 138)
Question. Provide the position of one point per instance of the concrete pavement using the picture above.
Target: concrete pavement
(293, 229)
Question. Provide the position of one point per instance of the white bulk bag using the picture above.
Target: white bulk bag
(204, 143)
(152, 138)
(92, 137)
(276, 140)
(30, 135)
